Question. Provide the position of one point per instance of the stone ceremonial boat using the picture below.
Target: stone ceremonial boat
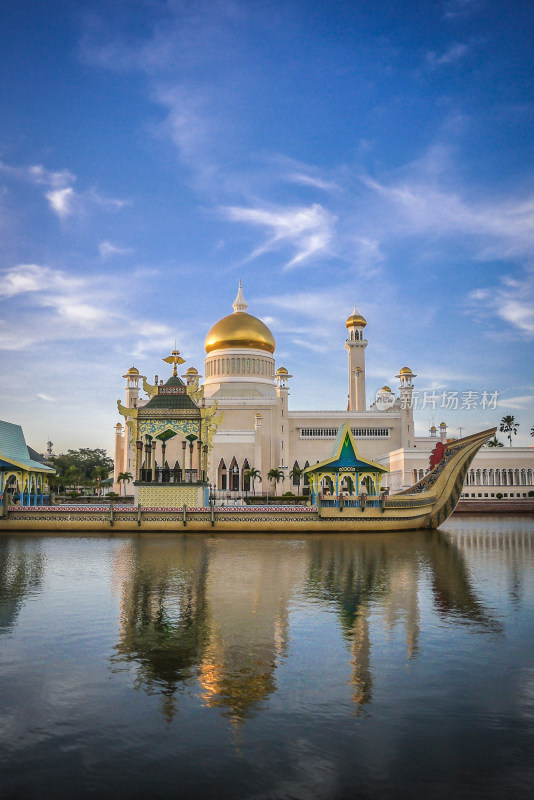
(426, 504)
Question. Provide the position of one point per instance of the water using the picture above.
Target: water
(269, 666)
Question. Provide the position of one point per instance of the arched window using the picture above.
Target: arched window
(221, 476)
(245, 477)
(234, 475)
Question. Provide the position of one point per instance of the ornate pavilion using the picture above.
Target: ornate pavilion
(20, 472)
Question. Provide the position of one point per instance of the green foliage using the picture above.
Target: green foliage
(252, 474)
(499, 495)
(509, 426)
(124, 478)
(82, 464)
(494, 443)
(275, 475)
(531, 494)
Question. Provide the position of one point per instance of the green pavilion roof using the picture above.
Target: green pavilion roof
(14, 450)
(173, 394)
(345, 456)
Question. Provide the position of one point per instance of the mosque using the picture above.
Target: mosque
(234, 427)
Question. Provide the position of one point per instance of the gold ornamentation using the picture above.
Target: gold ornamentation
(127, 412)
(149, 388)
(175, 359)
(195, 392)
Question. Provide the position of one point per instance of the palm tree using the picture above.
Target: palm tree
(252, 474)
(532, 431)
(296, 476)
(509, 426)
(494, 443)
(124, 477)
(275, 475)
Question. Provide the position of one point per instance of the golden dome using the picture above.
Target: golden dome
(240, 330)
(433, 428)
(406, 371)
(442, 424)
(385, 389)
(356, 319)
(282, 371)
(133, 371)
(191, 371)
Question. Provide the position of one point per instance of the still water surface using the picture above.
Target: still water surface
(278, 666)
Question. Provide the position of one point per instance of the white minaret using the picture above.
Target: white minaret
(132, 387)
(355, 346)
(406, 377)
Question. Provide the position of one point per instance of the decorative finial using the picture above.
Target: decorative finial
(174, 359)
(240, 304)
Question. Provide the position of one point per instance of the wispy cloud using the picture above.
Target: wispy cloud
(107, 249)
(501, 227)
(45, 397)
(307, 230)
(62, 198)
(53, 307)
(512, 301)
(453, 9)
(34, 278)
(311, 180)
(517, 403)
(454, 53)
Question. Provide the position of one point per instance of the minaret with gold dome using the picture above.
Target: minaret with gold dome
(355, 346)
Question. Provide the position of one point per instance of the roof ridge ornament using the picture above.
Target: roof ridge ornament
(240, 304)
(174, 359)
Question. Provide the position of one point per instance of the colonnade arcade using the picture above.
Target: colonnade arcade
(29, 486)
(499, 477)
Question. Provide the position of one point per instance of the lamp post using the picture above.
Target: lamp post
(184, 445)
(205, 466)
(199, 459)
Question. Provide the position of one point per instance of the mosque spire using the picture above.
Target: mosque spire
(240, 304)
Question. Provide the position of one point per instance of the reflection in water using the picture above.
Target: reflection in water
(163, 615)
(21, 574)
(216, 610)
(382, 573)
(248, 605)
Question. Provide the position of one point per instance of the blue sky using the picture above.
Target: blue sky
(153, 153)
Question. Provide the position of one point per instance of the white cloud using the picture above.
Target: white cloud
(308, 230)
(45, 397)
(34, 278)
(62, 198)
(512, 300)
(108, 249)
(55, 307)
(501, 228)
(517, 403)
(61, 201)
(310, 180)
(39, 175)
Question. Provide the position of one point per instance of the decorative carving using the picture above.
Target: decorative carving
(149, 388)
(127, 412)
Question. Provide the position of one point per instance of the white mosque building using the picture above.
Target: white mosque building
(244, 400)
